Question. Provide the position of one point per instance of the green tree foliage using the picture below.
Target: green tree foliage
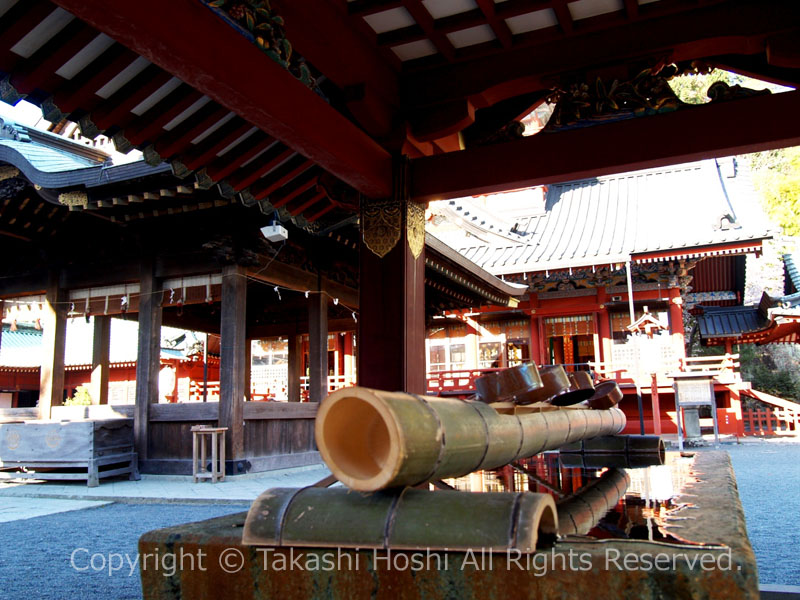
(776, 175)
(82, 397)
(691, 89)
(774, 369)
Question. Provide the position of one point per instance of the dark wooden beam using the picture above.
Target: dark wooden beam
(278, 273)
(347, 58)
(317, 347)
(299, 327)
(498, 25)
(233, 324)
(41, 67)
(54, 337)
(734, 127)
(734, 27)
(148, 356)
(274, 101)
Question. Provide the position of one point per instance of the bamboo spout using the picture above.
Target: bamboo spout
(407, 519)
(371, 439)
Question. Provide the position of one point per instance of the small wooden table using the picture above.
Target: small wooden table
(217, 436)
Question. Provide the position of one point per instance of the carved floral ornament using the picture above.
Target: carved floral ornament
(415, 227)
(382, 223)
(258, 22)
(74, 199)
(580, 104)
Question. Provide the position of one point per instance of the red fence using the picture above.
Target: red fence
(778, 421)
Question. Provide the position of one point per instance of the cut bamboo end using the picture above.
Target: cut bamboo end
(359, 438)
(373, 440)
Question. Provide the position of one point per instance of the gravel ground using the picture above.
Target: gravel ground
(768, 475)
(37, 555)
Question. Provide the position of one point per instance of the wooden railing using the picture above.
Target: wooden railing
(462, 381)
(335, 382)
(769, 421)
(196, 391)
(725, 367)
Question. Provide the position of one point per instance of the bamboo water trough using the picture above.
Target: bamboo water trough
(372, 440)
(578, 513)
(401, 519)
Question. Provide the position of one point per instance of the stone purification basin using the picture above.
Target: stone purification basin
(671, 531)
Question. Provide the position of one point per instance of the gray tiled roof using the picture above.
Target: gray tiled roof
(792, 271)
(607, 219)
(724, 321)
(53, 162)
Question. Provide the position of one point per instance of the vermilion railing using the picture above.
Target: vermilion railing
(462, 381)
(769, 421)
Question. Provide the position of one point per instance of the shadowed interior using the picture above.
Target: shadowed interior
(548, 528)
(356, 438)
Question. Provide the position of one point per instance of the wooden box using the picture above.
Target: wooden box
(68, 449)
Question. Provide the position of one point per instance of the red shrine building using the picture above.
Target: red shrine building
(595, 256)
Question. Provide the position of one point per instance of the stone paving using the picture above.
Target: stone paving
(241, 489)
(15, 509)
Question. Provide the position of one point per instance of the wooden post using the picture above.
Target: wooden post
(101, 339)
(676, 321)
(656, 407)
(54, 337)
(248, 367)
(295, 367)
(148, 357)
(233, 358)
(603, 327)
(317, 347)
(391, 324)
(535, 344)
(736, 405)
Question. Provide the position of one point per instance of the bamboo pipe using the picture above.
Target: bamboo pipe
(624, 451)
(403, 519)
(371, 439)
(578, 513)
(600, 461)
(619, 444)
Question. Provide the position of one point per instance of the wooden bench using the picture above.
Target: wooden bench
(69, 450)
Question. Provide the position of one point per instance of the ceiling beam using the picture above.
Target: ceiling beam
(735, 127)
(191, 42)
(733, 27)
(348, 58)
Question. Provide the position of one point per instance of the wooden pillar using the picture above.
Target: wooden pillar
(248, 367)
(54, 337)
(233, 354)
(535, 346)
(101, 341)
(604, 326)
(655, 405)
(148, 356)
(295, 367)
(736, 405)
(391, 324)
(676, 321)
(317, 347)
